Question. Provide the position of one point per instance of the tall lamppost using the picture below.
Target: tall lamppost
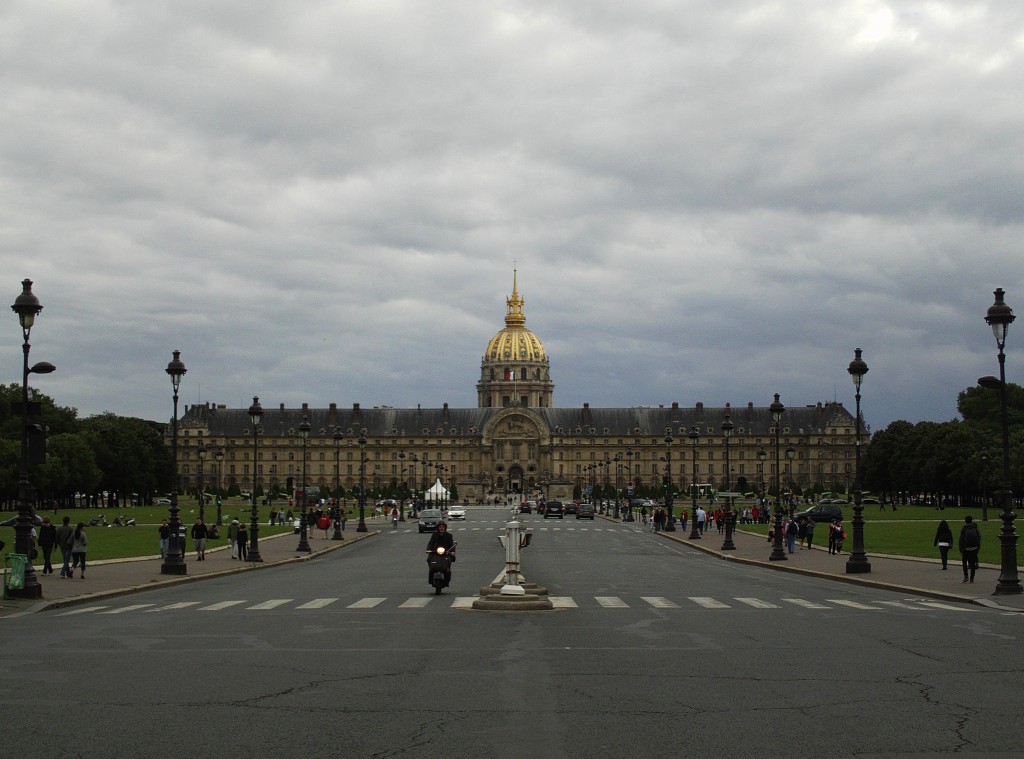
(858, 562)
(761, 456)
(730, 516)
(219, 458)
(401, 495)
(790, 455)
(303, 546)
(255, 414)
(174, 559)
(618, 481)
(999, 317)
(669, 519)
(362, 482)
(777, 409)
(415, 484)
(201, 454)
(694, 527)
(27, 307)
(337, 437)
(629, 478)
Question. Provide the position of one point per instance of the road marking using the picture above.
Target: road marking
(852, 604)
(708, 603)
(757, 603)
(366, 603)
(83, 610)
(317, 603)
(803, 603)
(902, 605)
(611, 602)
(660, 603)
(172, 607)
(562, 602)
(948, 607)
(221, 605)
(463, 602)
(415, 603)
(123, 609)
(273, 603)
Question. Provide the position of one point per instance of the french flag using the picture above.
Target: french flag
(509, 374)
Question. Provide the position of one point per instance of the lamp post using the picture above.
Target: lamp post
(27, 307)
(415, 487)
(629, 478)
(401, 495)
(790, 455)
(694, 527)
(219, 458)
(303, 546)
(999, 317)
(618, 481)
(761, 456)
(337, 437)
(669, 519)
(730, 517)
(174, 560)
(362, 482)
(255, 414)
(778, 552)
(858, 562)
(201, 453)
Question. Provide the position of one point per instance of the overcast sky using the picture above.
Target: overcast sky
(706, 200)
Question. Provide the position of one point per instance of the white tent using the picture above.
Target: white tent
(436, 493)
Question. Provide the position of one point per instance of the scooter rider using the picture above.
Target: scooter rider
(441, 538)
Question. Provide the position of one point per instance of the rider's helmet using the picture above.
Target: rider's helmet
(442, 524)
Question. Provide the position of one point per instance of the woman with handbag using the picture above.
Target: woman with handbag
(943, 539)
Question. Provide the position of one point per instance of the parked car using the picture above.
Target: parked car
(822, 513)
(554, 509)
(429, 519)
(456, 512)
(585, 511)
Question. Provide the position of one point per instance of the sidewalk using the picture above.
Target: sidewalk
(117, 577)
(905, 574)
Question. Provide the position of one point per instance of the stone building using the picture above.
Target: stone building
(516, 440)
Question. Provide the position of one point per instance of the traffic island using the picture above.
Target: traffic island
(509, 592)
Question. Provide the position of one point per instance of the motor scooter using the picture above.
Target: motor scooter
(439, 563)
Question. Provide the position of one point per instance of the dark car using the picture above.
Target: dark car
(554, 509)
(525, 508)
(822, 513)
(571, 507)
(429, 519)
(585, 511)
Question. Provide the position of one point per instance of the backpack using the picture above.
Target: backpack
(971, 540)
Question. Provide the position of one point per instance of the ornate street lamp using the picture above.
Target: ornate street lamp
(730, 516)
(255, 414)
(401, 495)
(694, 439)
(790, 455)
(629, 478)
(201, 453)
(778, 552)
(27, 307)
(1000, 317)
(174, 560)
(219, 458)
(669, 520)
(761, 456)
(362, 482)
(415, 487)
(303, 546)
(618, 481)
(858, 561)
(337, 437)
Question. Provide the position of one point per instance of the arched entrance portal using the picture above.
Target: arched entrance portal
(515, 479)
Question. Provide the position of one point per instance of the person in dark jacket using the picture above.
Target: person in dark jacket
(65, 539)
(441, 538)
(943, 539)
(47, 542)
(199, 535)
(970, 547)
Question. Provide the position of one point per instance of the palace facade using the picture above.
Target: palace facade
(515, 440)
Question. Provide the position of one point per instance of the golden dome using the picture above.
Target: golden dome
(515, 342)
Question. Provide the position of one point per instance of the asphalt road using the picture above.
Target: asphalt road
(654, 651)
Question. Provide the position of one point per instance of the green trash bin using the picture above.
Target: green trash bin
(15, 575)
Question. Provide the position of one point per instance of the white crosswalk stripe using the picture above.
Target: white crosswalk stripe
(562, 602)
(611, 602)
(83, 610)
(803, 603)
(853, 604)
(659, 603)
(317, 603)
(415, 603)
(173, 607)
(757, 603)
(367, 603)
(463, 602)
(222, 605)
(708, 603)
(273, 603)
(123, 609)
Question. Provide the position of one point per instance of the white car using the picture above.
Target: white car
(456, 512)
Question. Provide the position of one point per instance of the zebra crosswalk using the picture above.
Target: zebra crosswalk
(706, 603)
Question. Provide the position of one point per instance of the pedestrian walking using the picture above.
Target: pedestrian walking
(199, 535)
(683, 516)
(701, 516)
(241, 541)
(809, 533)
(233, 538)
(836, 536)
(78, 549)
(65, 541)
(324, 523)
(164, 531)
(47, 542)
(970, 547)
(943, 540)
(790, 531)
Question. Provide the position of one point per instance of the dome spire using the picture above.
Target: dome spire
(514, 304)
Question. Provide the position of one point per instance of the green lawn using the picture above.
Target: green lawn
(143, 539)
